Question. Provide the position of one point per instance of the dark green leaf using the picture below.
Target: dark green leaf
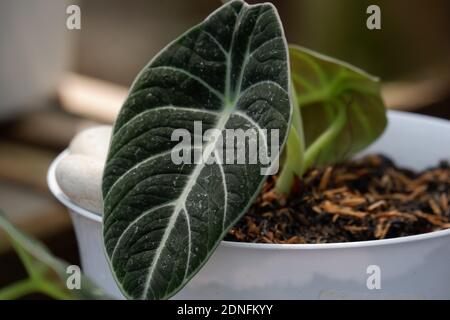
(162, 221)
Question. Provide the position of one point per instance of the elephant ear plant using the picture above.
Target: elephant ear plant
(163, 220)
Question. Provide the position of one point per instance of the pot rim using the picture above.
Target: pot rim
(61, 197)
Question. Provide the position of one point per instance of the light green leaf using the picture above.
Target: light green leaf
(48, 274)
(341, 106)
(338, 112)
(162, 221)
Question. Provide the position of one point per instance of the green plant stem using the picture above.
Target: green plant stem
(36, 281)
(30, 285)
(325, 138)
(18, 289)
(297, 121)
(292, 165)
(294, 151)
(53, 291)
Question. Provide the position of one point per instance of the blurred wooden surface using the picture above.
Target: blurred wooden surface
(91, 98)
(51, 128)
(33, 212)
(24, 164)
(24, 196)
(27, 147)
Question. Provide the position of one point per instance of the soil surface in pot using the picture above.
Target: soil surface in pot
(358, 200)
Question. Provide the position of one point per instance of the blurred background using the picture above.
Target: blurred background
(55, 81)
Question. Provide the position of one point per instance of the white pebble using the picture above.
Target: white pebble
(92, 142)
(79, 177)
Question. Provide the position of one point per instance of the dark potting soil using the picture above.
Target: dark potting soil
(358, 200)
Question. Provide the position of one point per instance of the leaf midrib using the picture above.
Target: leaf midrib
(181, 205)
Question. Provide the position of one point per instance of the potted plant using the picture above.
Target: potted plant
(150, 222)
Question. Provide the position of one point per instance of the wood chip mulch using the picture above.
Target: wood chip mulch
(358, 200)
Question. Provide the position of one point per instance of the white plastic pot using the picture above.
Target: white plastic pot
(408, 267)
